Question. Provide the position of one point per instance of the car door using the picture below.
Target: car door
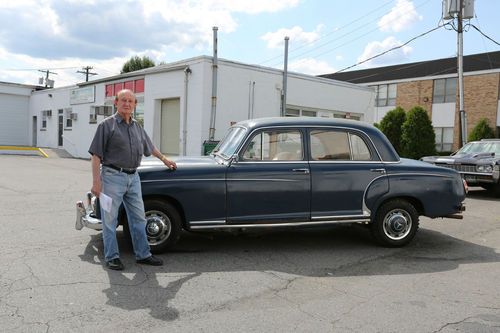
(343, 164)
(271, 181)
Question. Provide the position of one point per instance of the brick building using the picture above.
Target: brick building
(434, 86)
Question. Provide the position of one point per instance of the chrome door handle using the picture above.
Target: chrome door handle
(382, 170)
(306, 171)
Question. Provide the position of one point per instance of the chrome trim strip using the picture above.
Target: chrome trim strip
(264, 180)
(273, 162)
(417, 174)
(206, 222)
(183, 180)
(345, 162)
(339, 217)
(261, 225)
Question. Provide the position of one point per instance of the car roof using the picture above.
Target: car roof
(304, 121)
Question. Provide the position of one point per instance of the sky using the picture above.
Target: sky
(325, 36)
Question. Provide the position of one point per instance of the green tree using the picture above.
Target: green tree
(135, 63)
(391, 125)
(482, 131)
(417, 138)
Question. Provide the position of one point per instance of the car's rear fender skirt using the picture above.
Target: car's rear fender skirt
(434, 195)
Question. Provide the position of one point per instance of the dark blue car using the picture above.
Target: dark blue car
(293, 172)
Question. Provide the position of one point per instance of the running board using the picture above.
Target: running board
(274, 225)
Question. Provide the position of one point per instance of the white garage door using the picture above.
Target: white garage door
(14, 124)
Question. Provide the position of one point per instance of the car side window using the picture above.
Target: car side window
(359, 149)
(338, 145)
(274, 145)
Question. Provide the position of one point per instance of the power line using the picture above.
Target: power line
(392, 49)
(482, 33)
(349, 33)
(38, 69)
(331, 32)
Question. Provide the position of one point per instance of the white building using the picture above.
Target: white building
(175, 103)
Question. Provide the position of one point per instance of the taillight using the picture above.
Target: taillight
(466, 187)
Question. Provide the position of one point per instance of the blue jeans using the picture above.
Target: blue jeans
(122, 187)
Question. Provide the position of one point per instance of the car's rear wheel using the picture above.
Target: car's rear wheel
(163, 225)
(395, 223)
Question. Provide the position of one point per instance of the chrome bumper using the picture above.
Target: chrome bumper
(84, 215)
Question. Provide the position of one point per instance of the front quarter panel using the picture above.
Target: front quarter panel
(197, 187)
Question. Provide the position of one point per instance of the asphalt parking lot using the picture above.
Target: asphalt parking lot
(52, 277)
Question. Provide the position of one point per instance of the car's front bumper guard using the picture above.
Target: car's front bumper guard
(85, 216)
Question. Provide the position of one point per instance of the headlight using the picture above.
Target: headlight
(484, 168)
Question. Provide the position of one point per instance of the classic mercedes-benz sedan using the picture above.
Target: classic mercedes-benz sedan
(292, 172)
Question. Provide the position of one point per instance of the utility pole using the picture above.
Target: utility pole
(86, 71)
(460, 65)
(461, 9)
(48, 83)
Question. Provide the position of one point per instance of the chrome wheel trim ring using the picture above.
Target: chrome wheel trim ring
(397, 224)
(158, 227)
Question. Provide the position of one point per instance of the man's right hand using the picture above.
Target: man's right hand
(96, 189)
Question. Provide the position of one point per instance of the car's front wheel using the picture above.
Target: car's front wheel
(395, 223)
(163, 225)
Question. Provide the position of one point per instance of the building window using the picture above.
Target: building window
(386, 94)
(45, 115)
(444, 138)
(300, 113)
(99, 110)
(445, 90)
(68, 124)
(93, 115)
(139, 112)
(109, 90)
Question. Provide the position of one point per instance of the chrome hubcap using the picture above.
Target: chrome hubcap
(397, 224)
(158, 227)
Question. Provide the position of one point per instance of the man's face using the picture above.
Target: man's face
(125, 104)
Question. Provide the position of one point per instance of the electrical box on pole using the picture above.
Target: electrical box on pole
(451, 8)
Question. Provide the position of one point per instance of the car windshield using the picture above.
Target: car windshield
(227, 147)
(481, 147)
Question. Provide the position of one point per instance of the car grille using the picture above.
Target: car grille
(459, 167)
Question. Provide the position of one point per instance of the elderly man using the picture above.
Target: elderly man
(117, 147)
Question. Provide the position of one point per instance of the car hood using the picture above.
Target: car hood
(474, 158)
(187, 167)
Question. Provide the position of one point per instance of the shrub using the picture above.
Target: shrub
(391, 125)
(481, 131)
(418, 138)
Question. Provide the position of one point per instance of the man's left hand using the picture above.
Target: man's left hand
(170, 164)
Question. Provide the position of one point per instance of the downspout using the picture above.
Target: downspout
(187, 71)
(211, 132)
(285, 77)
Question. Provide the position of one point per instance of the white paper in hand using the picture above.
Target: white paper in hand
(105, 202)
